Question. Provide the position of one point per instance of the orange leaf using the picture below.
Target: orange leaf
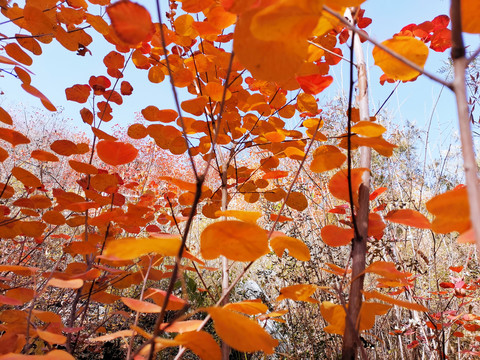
(201, 343)
(408, 305)
(116, 153)
(315, 83)
(132, 248)
(13, 137)
(407, 47)
(451, 211)
(408, 217)
(42, 155)
(181, 326)
(248, 307)
(297, 201)
(195, 106)
(152, 113)
(333, 235)
(334, 314)
(386, 270)
(78, 93)
(35, 92)
(26, 177)
(247, 216)
(327, 157)
(5, 117)
(369, 311)
(131, 22)
(236, 240)
(158, 296)
(296, 248)
(113, 336)
(267, 60)
(65, 284)
(64, 147)
(141, 306)
(299, 292)
(51, 338)
(83, 168)
(368, 128)
(338, 184)
(469, 13)
(240, 332)
(195, 6)
(16, 52)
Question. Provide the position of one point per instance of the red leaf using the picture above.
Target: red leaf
(78, 93)
(314, 84)
(116, 153)
(131, 22)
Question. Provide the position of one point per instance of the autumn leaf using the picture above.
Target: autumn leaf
(451, 211)
(240, 332)
(141, 306)
(201, 343)
(469, 10)
(327, 157)
(116, 153)
(408, 217)
(248, 307)
(407, 47)
(408, 305)
(296, 248)
(131, 248)
(333, 235)
(130, 21)
(299, 292)
(236, 240)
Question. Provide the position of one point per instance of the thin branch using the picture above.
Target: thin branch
(386, 49)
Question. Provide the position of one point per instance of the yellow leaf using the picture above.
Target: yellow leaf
(240, 332)
(407, 47)
(131, 248)
(299, 292)
(296, 248)
(236, 240)
(248, 307)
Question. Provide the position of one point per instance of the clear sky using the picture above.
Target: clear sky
(57, 69)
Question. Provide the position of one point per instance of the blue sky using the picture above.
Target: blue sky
(57, 69)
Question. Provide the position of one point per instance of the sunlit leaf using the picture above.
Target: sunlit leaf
(386, 270)
(407, 47)
(51, 338)
(334, 314)
(42, 155)
(65, 284)
(299, 292)
(26, 177)
(181, 326)
(451, 211)
(114, 335)
(131, 248)
(13, 137)
(247, 216)
(368, 128)
(236, 240)
(5, 117)
(131, 22)
(240, 332)
(469, 10)
(338, 184)
(115, 152)
(408, 217)
(201, 343)
(296, 248)
(297, 200)
(333, 235)
(248, 307)
(158, 296)
(327, 157)
(141, 306)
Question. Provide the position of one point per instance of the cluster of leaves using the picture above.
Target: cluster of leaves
(119, 241)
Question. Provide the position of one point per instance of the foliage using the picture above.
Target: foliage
(141, 241)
